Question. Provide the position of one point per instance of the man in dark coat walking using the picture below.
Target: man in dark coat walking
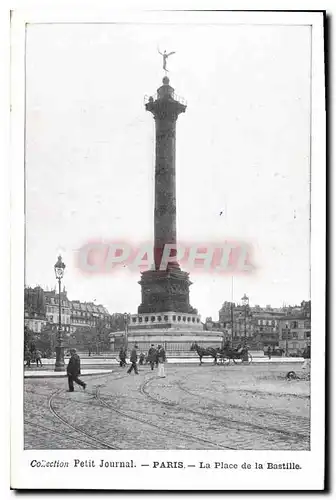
(133, 360)
(73, 370)
(152, 355)
(122, 357)
(38, 357)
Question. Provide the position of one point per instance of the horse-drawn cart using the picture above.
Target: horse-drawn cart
(225, 356)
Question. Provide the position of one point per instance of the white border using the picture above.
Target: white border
(311, 476)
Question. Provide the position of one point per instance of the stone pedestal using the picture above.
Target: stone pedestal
(165, 291)
(175, 331)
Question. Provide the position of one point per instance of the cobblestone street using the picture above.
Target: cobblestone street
(194, 407)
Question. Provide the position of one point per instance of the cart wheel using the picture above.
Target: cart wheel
(225, 360)
(237, 361)
(249, 359)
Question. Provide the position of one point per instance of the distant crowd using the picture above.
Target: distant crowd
(156, 357)
(33, 356)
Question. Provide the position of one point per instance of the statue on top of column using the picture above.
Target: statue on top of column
(164, 58)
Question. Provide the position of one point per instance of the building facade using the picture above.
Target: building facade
(52, 309)
(87, 314)
(295, 334)
(42, 310)
(34, 309)
(238, 324)
(265, 327)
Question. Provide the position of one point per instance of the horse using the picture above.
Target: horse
(204, 351)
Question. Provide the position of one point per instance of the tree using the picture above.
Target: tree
(117, 322)
(84, 337)
(102, 336)
(45, 340)
(28, 339)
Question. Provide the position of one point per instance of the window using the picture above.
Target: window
(188, 319)
(285, 332)
(165, 318)
(178, 318)
(193, 320)
(134, 320)
(140, 320)
(152, 319)
(159, 318)
(307, 335)
(174, 318)
(184, 318)
(146, 319)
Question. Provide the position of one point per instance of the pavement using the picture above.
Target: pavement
(99, 366)
(104, 365)
(235, 407)
(40, 373)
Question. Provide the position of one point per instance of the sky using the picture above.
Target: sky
(242, 151)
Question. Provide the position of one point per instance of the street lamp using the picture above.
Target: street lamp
(232, 324)
(59, 273)
(245, 302)
(126, 320)
(287, 334)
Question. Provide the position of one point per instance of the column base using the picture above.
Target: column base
(165, 291)
(59, 368)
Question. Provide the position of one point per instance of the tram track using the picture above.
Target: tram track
(196, 419)
(281, 414)
(57, 432)
(73, 427)
(161, 428)
(230, 423)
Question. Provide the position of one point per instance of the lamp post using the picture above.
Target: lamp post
(59, 272)
(287, 334)
(245, 301)
(126, 320)
(232, 324)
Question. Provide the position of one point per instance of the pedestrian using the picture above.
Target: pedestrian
(38, 357)
(141, 358)
(27, 358)
(133, 360)
(269, 352)
(73, 370)
(122, 357)
(152, 353)
(161, 357)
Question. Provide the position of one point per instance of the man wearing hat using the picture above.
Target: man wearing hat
(133, 360)
(73, 370)
(152, 354)
(161, 356)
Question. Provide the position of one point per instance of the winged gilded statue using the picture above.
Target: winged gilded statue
(164, 58)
